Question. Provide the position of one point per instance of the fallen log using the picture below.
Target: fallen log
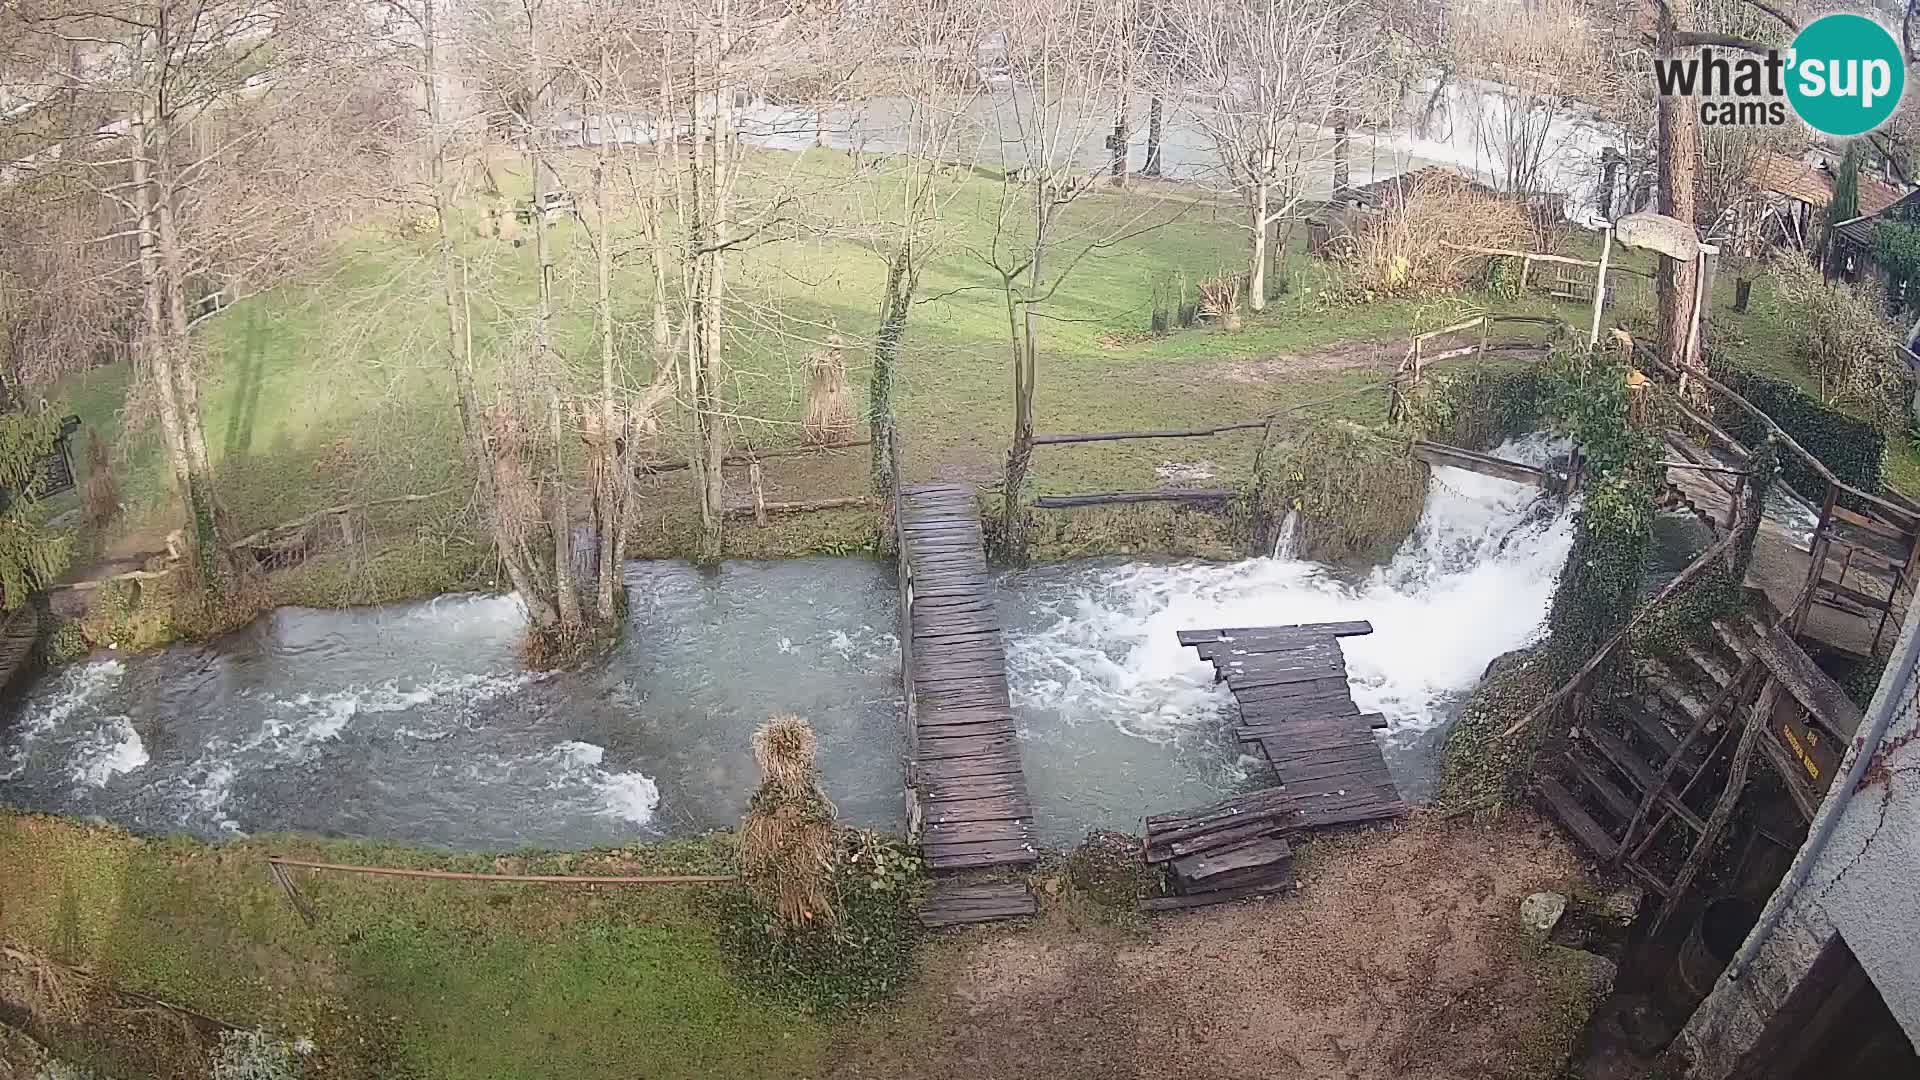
(258, 535)
(1169, 433)
(741, 461)
(838, 503)
(1107, 498)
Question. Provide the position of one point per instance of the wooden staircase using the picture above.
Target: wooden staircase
(1637, 785)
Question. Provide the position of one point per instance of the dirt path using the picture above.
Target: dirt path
(1400, 957)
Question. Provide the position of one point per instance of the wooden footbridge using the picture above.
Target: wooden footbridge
(967, 794)
(1290, 683)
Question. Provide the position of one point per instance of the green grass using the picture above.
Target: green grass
(332, 389)
(404, 978)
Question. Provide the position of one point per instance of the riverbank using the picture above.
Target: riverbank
(384, 427)
(1402, 955)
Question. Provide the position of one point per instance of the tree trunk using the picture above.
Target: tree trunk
(1341, 151)
(1679, 146)
(713, 447)
(173, 364)
(1257, 263)
(664, 173)
(614, 479)
(1742, 294)
(460, 347)
(1025, 343)
(886, 357)
(153, 344)
(566, 592)
(1152, 166)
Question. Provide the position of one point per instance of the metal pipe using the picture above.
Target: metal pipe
(1886, 703)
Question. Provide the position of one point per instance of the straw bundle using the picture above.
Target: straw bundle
(789, 840)
(830, 416)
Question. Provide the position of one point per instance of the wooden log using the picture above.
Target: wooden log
(1172, 433)
(1111, 498)
(761, 508)
(648, 468)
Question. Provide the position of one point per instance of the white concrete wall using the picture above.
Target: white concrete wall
(1865, 885)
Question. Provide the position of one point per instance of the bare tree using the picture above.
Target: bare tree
(925, 70)
(1066, 69)
(216, 129)
(1266, 82)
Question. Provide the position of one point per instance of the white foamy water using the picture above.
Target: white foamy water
(111, 748)
(1474, 581)
(630, 796)
(77, 686)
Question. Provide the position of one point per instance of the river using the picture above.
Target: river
(416, 722)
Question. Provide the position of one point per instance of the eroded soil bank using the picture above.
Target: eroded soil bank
(1402, 956)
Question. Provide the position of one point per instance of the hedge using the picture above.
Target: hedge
(1855, 452)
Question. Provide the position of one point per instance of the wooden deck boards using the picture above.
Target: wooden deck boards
(1291, 685)
(966, 756)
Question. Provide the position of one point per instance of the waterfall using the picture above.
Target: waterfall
(1287, 538)
(1473, 581)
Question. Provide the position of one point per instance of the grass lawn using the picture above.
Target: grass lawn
(331, 389)
(400, 978)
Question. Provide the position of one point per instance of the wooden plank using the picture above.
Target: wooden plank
(1331, 629)
(1595, 778)
(961, 832)
(1568, 811)
(985, 808)
(1266, 851)
(998, 858)
(1280, 886)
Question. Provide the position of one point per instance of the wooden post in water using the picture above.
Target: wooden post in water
(759, 494)
(1822, 536)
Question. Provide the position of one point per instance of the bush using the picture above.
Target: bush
(1402, 252)
(1477, 405)
(1843, 332)
(864, 956)
(1359, 491)
(1855, 450)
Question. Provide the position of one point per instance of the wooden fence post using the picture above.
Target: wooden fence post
(759, 494)
(1822, 536)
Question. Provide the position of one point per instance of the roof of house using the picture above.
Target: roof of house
(1859, 230)
(1394, 188)
(1813, 184)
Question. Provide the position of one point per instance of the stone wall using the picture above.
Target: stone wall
(1861, 887)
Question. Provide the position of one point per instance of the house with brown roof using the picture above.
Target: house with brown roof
(1798, 191)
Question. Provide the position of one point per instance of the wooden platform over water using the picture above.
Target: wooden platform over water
(966, 768)
(1291, 685)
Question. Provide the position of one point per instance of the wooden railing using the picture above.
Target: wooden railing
(1719, 549)
(1842, 505)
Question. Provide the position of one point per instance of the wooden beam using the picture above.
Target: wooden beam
(1539, 257)
(1441, 454)
(1107, 498)
(1171, 433)
(648, 468)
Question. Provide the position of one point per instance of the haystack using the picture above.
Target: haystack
(789, 841)
(1408, 248)
(830, 416)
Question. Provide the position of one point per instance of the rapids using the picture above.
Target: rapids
(416, 723)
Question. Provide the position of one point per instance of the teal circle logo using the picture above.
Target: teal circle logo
(1845, 74)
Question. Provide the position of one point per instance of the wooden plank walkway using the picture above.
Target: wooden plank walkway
(1291, 685)
(966, 766)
